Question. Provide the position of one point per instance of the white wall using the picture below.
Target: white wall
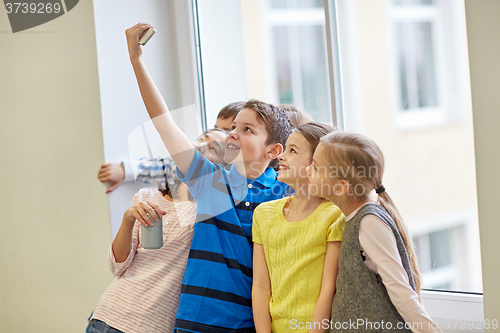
(483, 29)
(55, 219)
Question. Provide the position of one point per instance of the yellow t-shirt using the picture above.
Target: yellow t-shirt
(295, 255)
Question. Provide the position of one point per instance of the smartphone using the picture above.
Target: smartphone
(146, 36)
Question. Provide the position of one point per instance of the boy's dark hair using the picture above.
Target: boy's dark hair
(278, 125)
(230, 110)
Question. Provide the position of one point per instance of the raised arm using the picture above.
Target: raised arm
(176, 142)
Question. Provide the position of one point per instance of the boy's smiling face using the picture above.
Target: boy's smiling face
(246, 143)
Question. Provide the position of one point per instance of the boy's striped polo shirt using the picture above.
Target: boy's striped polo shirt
(217, 283)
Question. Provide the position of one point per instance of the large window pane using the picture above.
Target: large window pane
(277, 53)
(314, 72)
(301, 68)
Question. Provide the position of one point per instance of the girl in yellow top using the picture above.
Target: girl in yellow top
(296, 247)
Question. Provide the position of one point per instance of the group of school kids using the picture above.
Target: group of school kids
(305, 266)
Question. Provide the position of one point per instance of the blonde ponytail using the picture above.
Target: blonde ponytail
(385, 201)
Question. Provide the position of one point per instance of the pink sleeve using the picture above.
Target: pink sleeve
(379, 244)
(119, 268)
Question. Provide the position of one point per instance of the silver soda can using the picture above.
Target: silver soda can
(152, 237)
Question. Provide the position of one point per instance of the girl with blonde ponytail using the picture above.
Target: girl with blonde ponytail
(378, 283)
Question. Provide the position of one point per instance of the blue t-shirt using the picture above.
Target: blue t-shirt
(217, 284)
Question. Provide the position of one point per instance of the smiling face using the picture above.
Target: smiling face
(321, 182)
(246, 143)
(211, 145)
(294, 161)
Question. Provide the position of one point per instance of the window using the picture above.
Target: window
(420, 97)
(397, 94)
(423, 61)
(439, 251)
(265, 49)
(403, 72)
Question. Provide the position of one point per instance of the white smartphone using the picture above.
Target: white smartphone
(146, 36)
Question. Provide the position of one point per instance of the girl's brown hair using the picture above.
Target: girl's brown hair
(314, 131)
(358, 160)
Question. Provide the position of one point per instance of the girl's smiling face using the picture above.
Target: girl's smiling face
(294, 160)
(321, 183)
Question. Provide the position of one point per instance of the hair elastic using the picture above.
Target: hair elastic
(380, 190)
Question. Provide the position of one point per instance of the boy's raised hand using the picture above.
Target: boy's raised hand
(176, 142)
(133, 34)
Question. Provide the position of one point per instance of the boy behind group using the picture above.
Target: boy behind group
(153, 170)
(216, 290)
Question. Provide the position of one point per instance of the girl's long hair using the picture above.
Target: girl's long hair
(314, 131)
(358, 160)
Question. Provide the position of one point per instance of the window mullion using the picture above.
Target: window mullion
(334, 75)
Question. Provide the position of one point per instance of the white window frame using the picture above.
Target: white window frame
(451, 310)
